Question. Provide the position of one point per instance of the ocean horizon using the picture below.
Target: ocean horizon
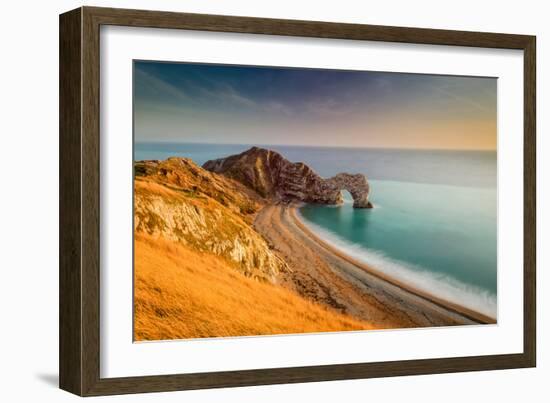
(434, 224)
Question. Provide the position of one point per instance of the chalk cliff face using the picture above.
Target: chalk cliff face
(179, 201)
(274, 177)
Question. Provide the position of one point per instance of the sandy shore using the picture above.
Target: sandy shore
(326, 275)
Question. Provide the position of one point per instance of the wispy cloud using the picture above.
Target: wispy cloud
(329, 107)
(247, 102)
(278, 108)
(461, 98)
(154, 86)
(210, 95)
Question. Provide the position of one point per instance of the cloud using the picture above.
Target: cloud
(203, 93)
(206, 94)
(229, 94)
(329, 107)
(278, 108)
(152, 86)
(461, 98)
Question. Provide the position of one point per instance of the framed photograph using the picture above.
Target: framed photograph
(249, 201)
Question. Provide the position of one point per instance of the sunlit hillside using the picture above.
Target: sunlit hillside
(178, 201)
(185, 293)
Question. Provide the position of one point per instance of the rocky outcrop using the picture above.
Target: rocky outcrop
(356, 184)
(274, 177)
(179, 201)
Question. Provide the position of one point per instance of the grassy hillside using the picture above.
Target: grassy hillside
(179, 201)
(181, 292)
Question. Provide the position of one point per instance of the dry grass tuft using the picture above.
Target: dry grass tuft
(182, 293)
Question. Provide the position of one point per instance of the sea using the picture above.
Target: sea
(434, 221)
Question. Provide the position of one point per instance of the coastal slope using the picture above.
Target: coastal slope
(178, 201)
(201, 270)
(217, 256)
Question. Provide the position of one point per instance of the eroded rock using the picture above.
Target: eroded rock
(274, 177)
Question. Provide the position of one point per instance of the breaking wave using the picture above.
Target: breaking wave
(440, 285)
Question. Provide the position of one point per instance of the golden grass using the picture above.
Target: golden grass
(182, 293)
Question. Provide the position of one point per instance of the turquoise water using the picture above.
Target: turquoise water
(434, 221)
(442, 238)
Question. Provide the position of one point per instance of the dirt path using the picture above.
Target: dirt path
(325, 275)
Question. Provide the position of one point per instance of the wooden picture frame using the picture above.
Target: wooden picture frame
(79, 348)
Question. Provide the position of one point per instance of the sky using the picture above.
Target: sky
(201, 103)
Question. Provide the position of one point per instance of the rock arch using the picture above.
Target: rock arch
(274, 177)
(356, 185)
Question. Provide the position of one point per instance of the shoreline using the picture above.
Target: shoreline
(459, 309)
(328, 276)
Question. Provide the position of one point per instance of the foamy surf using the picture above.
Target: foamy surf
(439, 285)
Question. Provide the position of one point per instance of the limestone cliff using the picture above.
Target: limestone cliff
(179, 201)
(274, 177)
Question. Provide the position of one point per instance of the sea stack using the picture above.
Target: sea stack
(274, 177)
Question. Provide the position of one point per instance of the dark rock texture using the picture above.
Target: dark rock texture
(274, 177)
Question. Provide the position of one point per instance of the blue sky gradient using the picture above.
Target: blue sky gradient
(183, 102)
